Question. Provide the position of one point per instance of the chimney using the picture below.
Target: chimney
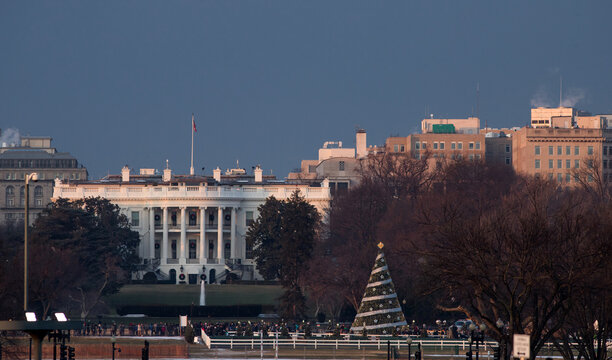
(167, 175)
(360, 144)
(258, 173)
(217, 174)
(125, 174)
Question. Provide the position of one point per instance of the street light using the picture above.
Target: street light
(113, 341)
(502, 346)
(476, 337)
(409, 342)
(28, 177)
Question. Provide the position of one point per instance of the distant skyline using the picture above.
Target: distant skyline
(116, 82)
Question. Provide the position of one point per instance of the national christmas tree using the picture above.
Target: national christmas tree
(380, 311)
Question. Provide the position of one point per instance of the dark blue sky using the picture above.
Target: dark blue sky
(115, 82)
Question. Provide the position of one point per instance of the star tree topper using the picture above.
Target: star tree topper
(380, 245)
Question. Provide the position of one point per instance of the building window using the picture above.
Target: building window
(417, 145)
(135, 218)
(550, 150)
(537, 150)
(471, 146)
(459, 146)
(576, 164)
(341, 164)
(508, 161)
(590, 150)
(537, 163)
(559, 177)
(38, 191)
(576, 150)
(550, 164)
(605, 164)
(590, 163)
(605, 150)
(471, 157)
(568, 150)
(173, 247)
(559, 164)
(249, 218)
(435, 145)
(173, 218)
(342, 187)
(477, 145)
(507, 148)
(442, 145)
(38, 202)
(402, 148)
(568, 164)
(193, 218)
(453, 146)
(395, 148)
(568, 177)
(559, 150)
(192, 248)
(550, 176)
(228, 251)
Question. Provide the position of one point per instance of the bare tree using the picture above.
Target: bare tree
(515, 255)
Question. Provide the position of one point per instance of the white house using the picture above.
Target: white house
(193, 227)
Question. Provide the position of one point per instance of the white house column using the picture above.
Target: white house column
(233, 234)
(220, 234)
(201, 253)
(151, 233)
(183, 235)
(164, 249)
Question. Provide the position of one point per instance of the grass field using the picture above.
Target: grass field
(190, 294)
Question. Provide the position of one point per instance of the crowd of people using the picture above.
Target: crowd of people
(235, 328)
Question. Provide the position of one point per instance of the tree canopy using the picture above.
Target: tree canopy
(79, 251)
(282, 239)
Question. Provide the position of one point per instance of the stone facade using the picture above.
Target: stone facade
(193, 225)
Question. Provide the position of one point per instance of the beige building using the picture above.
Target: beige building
(561, 141)
(456, 139)
(451, 146)
(339, 165)
(556, 153)
(32, 155)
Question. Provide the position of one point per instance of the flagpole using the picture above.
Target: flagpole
(191, 172)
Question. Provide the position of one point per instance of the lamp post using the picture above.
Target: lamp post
(28, 177)
(476, 336)
(113, 341)
(409, 342)
(502, 346)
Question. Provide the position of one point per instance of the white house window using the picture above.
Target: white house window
(135, 218)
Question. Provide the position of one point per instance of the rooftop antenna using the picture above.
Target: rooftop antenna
(560, 91)
(237, 164)
(167, 166)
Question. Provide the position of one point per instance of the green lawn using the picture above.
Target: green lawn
(188, 294)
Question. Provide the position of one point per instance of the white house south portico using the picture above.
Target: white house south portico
(192, 226)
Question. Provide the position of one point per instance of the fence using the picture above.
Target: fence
(315, 343)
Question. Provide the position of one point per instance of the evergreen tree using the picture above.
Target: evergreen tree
(380, 311)
(282, 239)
